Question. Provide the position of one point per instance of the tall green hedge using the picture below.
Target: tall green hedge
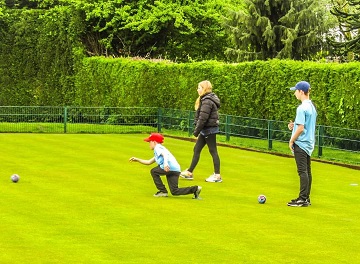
(38, 53)
(256, 89)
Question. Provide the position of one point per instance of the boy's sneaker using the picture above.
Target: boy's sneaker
(160, 194)
(308, 201)
(186, 175)
(197, 193)
(214, 178)
(298, 202)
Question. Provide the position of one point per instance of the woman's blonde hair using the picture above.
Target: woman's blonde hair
(207, 88)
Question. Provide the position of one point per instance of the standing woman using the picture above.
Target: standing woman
(206, 127)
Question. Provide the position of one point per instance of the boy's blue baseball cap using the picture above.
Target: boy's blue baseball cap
(303, 86)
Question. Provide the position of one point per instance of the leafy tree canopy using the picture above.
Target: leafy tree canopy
(346, 39)
(180, 30)
(292, 29)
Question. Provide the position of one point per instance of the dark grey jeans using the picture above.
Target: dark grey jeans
(172, 178)
(303, 163)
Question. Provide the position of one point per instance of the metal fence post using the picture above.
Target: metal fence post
(190, 123)
(270, 132)
(65, 119)
(227, 127)
(320, 140)
(159, 119)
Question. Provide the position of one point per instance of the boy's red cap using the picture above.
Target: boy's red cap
(155, 137)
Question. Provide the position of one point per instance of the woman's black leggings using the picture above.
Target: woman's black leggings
(210, 141)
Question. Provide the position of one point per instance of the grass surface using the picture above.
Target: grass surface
(79, 200)
(329, 154)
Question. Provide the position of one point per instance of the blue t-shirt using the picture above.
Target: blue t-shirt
(306, 115)
(173, 164)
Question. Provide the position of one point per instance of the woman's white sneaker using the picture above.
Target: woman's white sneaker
(214, 178)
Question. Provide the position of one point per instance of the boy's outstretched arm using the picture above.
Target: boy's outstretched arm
(142, 161)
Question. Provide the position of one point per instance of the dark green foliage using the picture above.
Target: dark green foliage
(347, 39)
(33, 4)
(290, 29)
(20, 4)
(38, 53)
(176, 30)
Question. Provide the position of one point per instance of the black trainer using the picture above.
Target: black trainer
(197, 193)
(298, 202)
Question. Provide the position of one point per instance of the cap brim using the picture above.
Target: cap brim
(292, 88)
(147, 139)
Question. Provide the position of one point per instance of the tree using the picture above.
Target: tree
(284, 29)
(346, 40)
(178, 30)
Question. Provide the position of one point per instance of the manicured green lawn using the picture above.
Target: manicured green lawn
(79, 200)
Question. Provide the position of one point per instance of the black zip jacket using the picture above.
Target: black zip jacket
(207, 115)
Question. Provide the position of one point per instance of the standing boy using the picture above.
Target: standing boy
(302, 141)
(167, 165)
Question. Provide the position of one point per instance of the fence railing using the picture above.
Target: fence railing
(53, 119)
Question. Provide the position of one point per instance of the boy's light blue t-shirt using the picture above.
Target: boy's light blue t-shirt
(306, 115)
(172, 162)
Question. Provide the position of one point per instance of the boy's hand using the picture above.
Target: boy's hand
(166, 168)
(291, 125)
(133, 159)
(291, 146)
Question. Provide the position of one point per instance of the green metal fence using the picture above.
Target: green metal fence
(50, 119)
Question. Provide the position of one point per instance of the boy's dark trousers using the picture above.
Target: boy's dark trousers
(303, 164)
(173, 182)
